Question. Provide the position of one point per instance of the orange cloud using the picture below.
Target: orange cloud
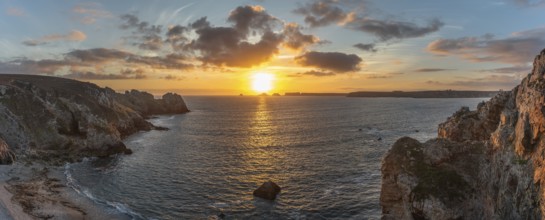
(74, 35)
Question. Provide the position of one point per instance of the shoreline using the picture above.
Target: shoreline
(42, 192)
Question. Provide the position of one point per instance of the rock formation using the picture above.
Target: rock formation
(268, 190)
(485, 164)
(58, 120)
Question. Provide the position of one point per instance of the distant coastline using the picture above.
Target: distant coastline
(402, 94)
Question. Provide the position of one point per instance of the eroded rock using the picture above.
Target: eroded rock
(268, 190)
(486, 164)
(60, 120)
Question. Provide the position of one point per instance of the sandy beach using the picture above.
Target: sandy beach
(31, 193)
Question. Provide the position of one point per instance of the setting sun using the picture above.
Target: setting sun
(262, 82)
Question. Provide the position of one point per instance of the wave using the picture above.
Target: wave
(122, 208)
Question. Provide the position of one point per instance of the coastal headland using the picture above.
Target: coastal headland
(485, 164)
(47, 121)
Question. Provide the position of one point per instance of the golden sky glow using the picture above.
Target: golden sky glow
(262, 82)
(194, 49)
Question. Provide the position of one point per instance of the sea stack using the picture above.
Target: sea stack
(485, 164)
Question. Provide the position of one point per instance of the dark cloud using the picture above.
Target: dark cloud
(366, 47)
(294, 39)
(173, 77)
(146, 36)
(382, 76)
(316, 73)
(177, 37)
(333, 61)
(33, 43)
(133, 73)
(386, 30)
(428, 70)
(322, 13)
(79, 62)
(326, 12)
(97, 55)
(517, 49)
(97, 76)
(247, 18)
(228, 46)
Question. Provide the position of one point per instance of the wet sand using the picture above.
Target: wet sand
(41, 192)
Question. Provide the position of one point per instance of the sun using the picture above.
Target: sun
(262, 82)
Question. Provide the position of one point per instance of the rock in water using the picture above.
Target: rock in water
(267, 190)
(6, 156)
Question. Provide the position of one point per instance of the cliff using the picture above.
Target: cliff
(58, 120)
(485, 164)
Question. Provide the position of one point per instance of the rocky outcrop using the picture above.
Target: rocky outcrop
(485, 164)
(268, 190)
(57, 120)
(6, 156)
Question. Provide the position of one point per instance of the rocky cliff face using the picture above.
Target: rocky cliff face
(485, 164)
(57, 120)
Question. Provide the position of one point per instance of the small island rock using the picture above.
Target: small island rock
(267, 190)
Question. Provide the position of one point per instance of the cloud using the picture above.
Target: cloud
(333, 61)
(322, 13)
(230, 46)
(99, 61)
(518, 49)
(316, 73)
(296, 40)
(90, 12)
(326, 12)
(173, 77)
(246, 18)
(510, 70)
(529, 3)
(382, 76)
(26, 66)
(386, 29)
(18, 12)
(251, 38)
(177, 36)
(146, 36)
(490, 82)
(74, 36)
(366, 47)
(428, 70)
(97, 76)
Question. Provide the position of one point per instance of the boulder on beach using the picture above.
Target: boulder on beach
(267, 190)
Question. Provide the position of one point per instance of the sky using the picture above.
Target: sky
(211, 47)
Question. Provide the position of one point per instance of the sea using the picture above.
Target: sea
(325, 153)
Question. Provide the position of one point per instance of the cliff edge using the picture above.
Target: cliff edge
(485, 164)
(57, 120)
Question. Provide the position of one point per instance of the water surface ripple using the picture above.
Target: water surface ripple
(212, 159)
